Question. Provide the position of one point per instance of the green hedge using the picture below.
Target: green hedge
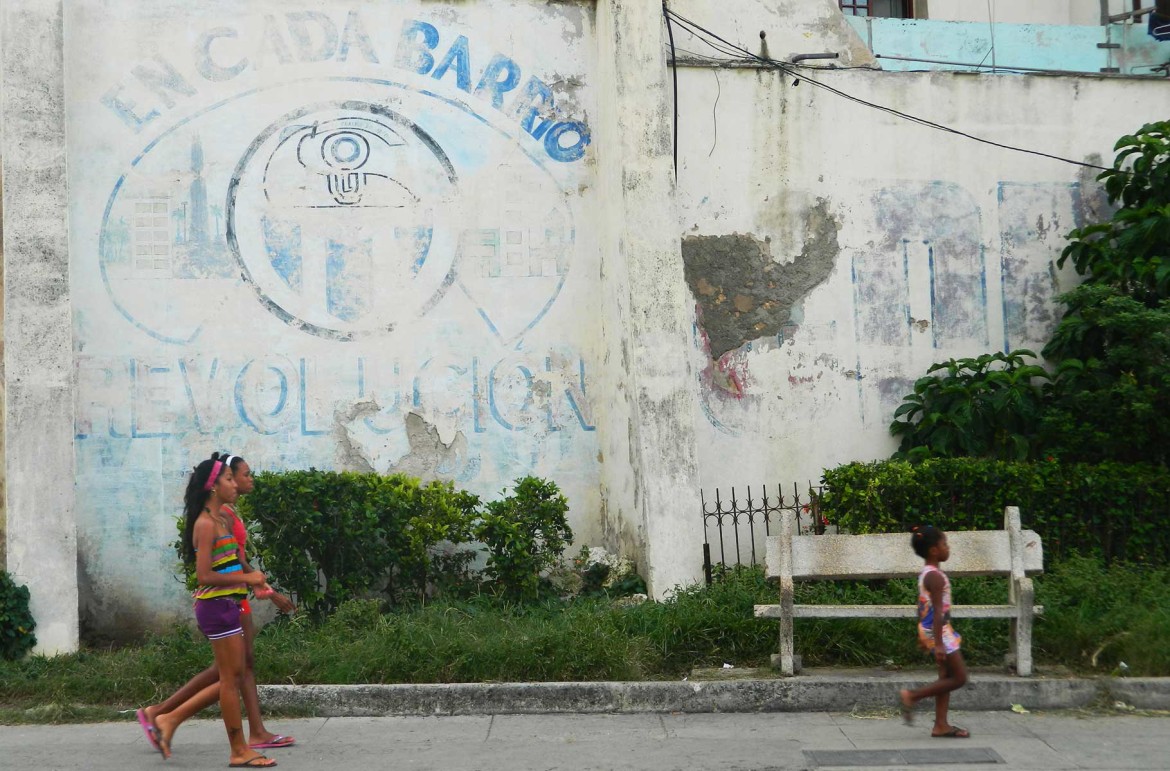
(331, 536)
(1117, 510)
(328, 537)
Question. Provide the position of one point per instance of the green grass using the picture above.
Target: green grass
(1096, 617)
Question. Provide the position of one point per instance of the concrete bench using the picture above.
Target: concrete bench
(1011, 552)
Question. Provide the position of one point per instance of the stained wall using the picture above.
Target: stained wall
(834, 251)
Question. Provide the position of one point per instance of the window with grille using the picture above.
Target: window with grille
(889, 9)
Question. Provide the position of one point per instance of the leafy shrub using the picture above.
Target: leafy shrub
(328, 537)
(1117, 510)
(525, 534)
(16, 620)
(331, 536)
(989, 406)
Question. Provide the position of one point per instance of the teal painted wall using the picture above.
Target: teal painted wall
(1044, 46)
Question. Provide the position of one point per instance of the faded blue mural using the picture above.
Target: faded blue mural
(332, 238)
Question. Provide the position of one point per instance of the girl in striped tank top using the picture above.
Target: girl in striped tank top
(158, 719)
(223, 585)
(935, 633)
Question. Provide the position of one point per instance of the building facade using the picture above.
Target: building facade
(462, 241)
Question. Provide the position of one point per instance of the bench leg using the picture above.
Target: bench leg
(1021, 632)
(787, 664)
(787, 660)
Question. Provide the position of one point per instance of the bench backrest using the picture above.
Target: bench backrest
(978, 553)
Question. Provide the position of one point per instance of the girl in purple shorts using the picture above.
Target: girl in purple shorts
(156, 719)
(223, 585)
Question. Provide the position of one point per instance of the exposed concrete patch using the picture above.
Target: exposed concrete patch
(743, 292)
(350, 454)
(430, 457)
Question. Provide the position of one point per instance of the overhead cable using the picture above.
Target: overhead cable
(727, 48)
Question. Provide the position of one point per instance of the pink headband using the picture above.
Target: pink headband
(210, 483)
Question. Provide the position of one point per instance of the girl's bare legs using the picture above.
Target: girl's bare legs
(257, 733)
(229, 657)
(195, 685)
(229, 661)
(952, 675)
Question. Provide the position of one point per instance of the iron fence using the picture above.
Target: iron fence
(734, 527)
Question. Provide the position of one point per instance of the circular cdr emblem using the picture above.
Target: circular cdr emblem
(343, 218)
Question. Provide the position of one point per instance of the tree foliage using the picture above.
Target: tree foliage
(988, 407)
(1131, 251)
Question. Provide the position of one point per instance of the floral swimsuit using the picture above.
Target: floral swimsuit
(927, 615)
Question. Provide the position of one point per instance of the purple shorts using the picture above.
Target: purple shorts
(218, 617)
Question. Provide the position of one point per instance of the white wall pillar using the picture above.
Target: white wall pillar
(651, 475)
(38, 327)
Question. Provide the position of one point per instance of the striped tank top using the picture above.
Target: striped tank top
(225, 558)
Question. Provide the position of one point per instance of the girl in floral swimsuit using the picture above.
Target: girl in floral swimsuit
(935, 633)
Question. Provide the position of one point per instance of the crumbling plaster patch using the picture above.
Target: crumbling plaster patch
(743, 292)
(429, 455)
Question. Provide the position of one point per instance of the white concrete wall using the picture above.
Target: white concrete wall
(38, 349)
(911, 245)
(651, 474)
(1025, 11)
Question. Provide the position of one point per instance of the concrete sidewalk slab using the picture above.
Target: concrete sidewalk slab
(620, 742)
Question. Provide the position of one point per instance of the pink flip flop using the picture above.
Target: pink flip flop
(147, 728)
(277, 742)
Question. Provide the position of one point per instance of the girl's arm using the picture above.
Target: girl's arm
(204, 539)
(934, 586)
(282, 603)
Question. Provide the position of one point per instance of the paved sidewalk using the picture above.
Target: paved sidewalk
(650, 742)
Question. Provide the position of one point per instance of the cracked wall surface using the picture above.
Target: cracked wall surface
(744, 292)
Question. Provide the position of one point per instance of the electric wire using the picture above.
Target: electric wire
(674, 73)
(706, 35)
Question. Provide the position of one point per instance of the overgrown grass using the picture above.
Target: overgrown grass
(1096, 617)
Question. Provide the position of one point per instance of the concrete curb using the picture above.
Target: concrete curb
(798, 694)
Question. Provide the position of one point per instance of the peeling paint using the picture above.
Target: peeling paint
(350, 455)
(430, 457)
(743, 292)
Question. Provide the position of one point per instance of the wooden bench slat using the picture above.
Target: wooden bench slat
(889, 611)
